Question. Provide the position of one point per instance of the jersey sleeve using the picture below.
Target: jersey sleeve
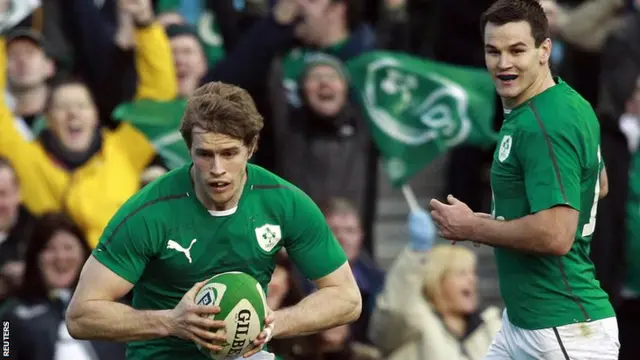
(310, 242)
(551, 165)
(126, 246)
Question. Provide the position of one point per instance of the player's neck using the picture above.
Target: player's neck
(541, 84)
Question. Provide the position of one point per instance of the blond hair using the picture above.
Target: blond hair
(442, 260)
(224, 109)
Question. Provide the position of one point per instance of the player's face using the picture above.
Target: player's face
(27, 65)
(325, 90)
(73, 117)
(459, 288)
(9, 198)
(513, 60)
(61, 260)
(220, 167)
(190, 63)
(346, 228)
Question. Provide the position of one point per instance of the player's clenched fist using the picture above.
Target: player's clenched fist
(191, 321)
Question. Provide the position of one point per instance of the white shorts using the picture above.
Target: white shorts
(262, 355)
(597, 340)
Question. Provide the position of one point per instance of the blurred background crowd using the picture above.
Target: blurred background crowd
(92, 96)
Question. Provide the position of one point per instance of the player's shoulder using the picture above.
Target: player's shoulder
(560, 110)
(561, 107)
(274, 189)
(166, 191)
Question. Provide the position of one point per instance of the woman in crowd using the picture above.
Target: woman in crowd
(54, 259)
(429, 307)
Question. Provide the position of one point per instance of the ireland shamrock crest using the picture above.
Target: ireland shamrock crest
(415, 107)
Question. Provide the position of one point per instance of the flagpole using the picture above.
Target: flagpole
(414, 206)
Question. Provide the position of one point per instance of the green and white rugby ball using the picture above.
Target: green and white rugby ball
(243, 307)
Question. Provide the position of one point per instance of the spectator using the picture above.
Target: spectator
(332, 344)
(189, 57)
(345, 223)
(28, 69)
(620, 69)
(43, 17)
(593, 17)
(16, 223)
(329, 151)
(53, 262)
(629, 308)
(429, 307)
(76, 166)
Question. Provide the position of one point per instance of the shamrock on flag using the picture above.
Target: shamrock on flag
(418, 109)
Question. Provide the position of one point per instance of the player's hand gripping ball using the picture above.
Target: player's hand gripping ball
(243, 308)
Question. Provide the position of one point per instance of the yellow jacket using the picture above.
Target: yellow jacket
(92, 193)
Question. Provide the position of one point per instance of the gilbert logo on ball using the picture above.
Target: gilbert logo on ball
(242, 303)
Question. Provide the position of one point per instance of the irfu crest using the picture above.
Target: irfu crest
(268, 236)
(505, 148)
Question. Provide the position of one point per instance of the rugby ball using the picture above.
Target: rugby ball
(243, 307)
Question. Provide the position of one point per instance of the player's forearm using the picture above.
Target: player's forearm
(107, 320)
(529, 234)
(326, 308)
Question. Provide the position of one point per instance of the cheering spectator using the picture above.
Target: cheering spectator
(16, 225)
(620, 69)
(28, 69)
(429, 307)
(74, 165)
(53, 262)
(188, 56)
(328, 148)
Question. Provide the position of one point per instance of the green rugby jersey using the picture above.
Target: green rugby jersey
(548, 154)
(164, 240)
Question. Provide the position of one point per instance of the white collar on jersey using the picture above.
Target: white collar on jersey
(223, 212)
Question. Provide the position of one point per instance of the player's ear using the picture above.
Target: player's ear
(545, 51)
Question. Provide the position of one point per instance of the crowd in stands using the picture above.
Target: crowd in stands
(84, 82)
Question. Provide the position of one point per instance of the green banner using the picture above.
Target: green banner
(418, 109)
(160, 122)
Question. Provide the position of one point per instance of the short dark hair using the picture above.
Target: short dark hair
(508, 11)
(33, 288)
(224, 109)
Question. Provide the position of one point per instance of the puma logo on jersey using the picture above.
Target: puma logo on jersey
(175, 246)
